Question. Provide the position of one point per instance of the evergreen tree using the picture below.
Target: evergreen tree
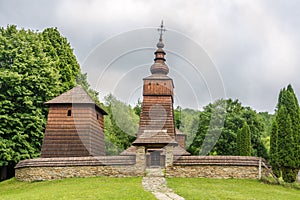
(294, 111)
(239, 142)
(274, 149)
(286, 148)
(244, 141)
(286, 156)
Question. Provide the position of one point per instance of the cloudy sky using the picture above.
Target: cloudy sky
(244, 49)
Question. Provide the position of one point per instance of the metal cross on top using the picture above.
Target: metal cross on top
(161, 29)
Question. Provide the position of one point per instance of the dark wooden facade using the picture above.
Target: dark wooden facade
(157, 128)
(74, 127)
(157, 108)
(157, 114)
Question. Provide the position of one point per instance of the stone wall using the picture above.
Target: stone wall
(217, 167)
(52, 173)
(206, 171)
(58, 168)
(124, 166)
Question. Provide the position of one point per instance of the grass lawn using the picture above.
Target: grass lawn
(202, 188)
(76, 188)
(131, 188)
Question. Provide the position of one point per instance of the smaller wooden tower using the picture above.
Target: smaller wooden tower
(75, 126)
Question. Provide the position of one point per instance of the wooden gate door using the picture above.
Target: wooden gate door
(155, 158)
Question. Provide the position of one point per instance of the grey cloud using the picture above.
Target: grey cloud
(253, 43)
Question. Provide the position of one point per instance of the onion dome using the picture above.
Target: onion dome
(159, 67)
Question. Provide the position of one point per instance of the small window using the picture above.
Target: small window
(97, 116)
(69, 113)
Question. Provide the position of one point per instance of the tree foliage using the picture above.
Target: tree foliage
(58, 48)
(189, 120)
(177, 117)
(138, 108)
(244, 141)
(219, 123)
(285, 146)
(267, 120)
(34, 68)
(274, 149)
(120, 125)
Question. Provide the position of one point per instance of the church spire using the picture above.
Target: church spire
(161, 29)
(159, 67)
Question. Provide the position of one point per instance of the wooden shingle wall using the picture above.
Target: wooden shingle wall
(73, 130)
(157, 114)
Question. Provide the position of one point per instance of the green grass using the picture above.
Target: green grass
(131, 188)
(202, 188)
(76, 188)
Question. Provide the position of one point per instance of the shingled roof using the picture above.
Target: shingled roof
(158, 137)
(77, 95)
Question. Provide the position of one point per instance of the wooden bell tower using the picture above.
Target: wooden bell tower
(75, 126)
(157, 107)
(156, 133)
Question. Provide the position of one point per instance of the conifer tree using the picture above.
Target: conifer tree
(274, 149)
(239, 142)
(244, 140)
(285, 149)
(286, 154)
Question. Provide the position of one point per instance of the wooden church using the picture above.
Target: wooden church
(74, 127)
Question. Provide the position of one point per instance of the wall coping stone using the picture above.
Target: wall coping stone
(77, 161)
(219, 160)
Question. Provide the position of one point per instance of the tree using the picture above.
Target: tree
(138, 108)
(59, 49)
(244, 141)
(219, 123)
(285, 148)
(189, 120)
(294, 111)
(267, 119)
(120, 125)
(177, 117)
(34, 68)
(286, 154)
(257, 128)
(274, 149)
(28, 78)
